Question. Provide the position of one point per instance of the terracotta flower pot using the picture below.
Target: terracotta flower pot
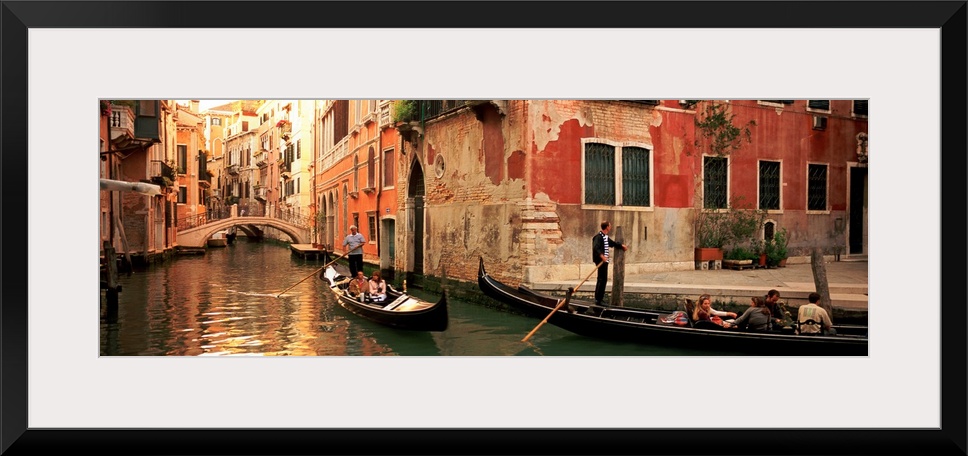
(709, 253)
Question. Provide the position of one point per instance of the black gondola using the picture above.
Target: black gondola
(646, 326)
(398, 310)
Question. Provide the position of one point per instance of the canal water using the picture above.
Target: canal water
(225, 303)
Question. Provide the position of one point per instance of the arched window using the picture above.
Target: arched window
(371, 169)
(346, 209)
(356, 174)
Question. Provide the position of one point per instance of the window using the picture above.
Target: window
(182, 158)
(216, 121)
(599, 174)
(388, 168)
(821, 105)
(341, 114)
(356, 219)
(371, 222)
(617, 175)
(714, 182)
(635, 176)
(371, 168)
(148, 108)
(297, 184)
(769, 185)
(860, 108)
(298, 154)
(182, 194)
(776, 102)
(356, 174)
(817, 187)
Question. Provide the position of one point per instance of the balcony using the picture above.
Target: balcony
(262, 159)
(386, 119)
(121, 121)
(285, 129)
(233, 170)
(162, 174)
(260, 193)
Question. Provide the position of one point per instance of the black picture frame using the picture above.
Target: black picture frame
(17, 17)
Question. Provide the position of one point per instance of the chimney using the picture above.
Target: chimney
(194, 106)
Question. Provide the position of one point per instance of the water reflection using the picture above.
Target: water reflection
(226, 303)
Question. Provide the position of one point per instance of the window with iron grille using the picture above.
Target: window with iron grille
(635, 176)
(816, 187)
(714, 182)
(860, 107)
(769, 185)
(823, 105)
(599, 174)
(617, 175)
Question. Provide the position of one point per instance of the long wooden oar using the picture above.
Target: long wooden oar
(317, 270)
(560, 303)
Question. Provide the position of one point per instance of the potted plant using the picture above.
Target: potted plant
(780, 238)
(776, 249)
(712, 233)
(759, 250)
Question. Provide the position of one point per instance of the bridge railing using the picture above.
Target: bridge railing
(251, 210)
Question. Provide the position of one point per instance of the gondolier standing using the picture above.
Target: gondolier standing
(601, 244)
(354, 241)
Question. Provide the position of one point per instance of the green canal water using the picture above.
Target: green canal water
(225, 303)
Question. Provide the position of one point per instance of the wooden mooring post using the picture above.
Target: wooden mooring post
(617, 258)
(113, 288)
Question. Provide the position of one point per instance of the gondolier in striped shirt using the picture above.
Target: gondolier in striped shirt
(601, 246)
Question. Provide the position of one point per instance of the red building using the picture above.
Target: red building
(526, 183)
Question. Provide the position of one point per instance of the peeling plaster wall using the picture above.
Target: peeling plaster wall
(511, 185)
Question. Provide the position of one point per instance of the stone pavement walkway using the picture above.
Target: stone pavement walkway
(847, 281)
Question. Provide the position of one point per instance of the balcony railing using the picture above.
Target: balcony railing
(262, 159)
(260, 193)
(385, 110)
(233, 170)
(160, 171)
(121, 121)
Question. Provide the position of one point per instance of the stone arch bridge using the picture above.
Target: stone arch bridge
(196, 236)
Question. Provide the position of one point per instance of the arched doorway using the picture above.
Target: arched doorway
(415, 219)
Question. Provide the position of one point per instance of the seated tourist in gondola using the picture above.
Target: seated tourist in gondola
(756, 318)
(705, 316)
(813, 319)
(359, 286)
(780, 317)
(378, 288)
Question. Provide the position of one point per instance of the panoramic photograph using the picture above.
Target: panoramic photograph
(537, 227)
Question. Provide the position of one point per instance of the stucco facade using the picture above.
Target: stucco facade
(509, 181)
